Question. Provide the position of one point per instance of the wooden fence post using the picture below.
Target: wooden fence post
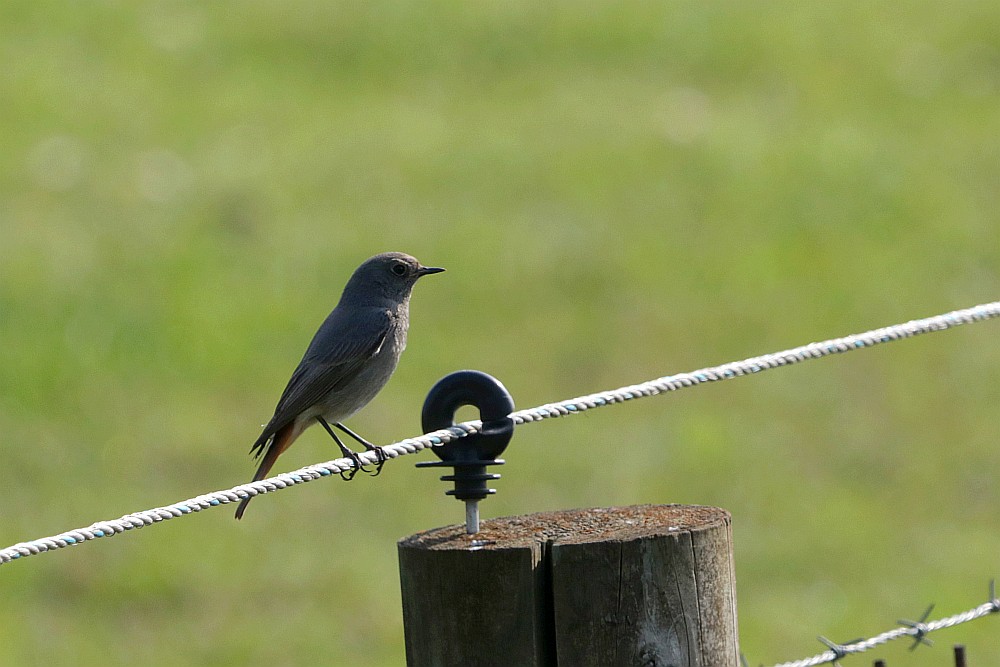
(648, 586)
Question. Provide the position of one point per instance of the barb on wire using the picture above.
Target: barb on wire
(838, 650)
(571, 406)
(916, 630)
(920, 628)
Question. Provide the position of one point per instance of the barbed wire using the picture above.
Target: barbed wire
(753, 365)
(916, 630)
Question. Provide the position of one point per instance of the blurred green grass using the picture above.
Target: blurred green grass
(619, 191)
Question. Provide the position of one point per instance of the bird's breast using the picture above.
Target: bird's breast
(351, 396)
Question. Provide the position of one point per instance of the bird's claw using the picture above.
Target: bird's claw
(348, 475)
(380, 459)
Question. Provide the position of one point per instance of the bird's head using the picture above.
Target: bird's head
(388, 276)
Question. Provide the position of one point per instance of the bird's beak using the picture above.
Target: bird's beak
(427, 270)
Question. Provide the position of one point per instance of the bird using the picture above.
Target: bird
(349, 360)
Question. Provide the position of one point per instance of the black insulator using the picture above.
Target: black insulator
(469, 455)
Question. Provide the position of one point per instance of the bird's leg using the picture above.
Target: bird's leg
(379, 453)
(347, 476)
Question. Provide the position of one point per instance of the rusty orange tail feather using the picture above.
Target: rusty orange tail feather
(281, 441)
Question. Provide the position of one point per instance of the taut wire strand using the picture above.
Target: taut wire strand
(571, 406)
(912, 629)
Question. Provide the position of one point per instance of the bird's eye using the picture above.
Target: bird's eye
(399, 269)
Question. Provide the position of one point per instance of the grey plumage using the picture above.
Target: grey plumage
(349, 360)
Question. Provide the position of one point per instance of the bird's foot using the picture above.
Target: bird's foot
(348, 475)
(380, 459)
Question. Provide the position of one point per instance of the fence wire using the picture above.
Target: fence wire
(112, 527)
(915, 630)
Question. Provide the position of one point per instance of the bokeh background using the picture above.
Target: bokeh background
(620, 190)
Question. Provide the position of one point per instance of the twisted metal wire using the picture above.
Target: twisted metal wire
(571, 406)
(916, 630)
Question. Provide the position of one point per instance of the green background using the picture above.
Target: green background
(620, 190)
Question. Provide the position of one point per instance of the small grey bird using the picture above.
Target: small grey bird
(349, 360)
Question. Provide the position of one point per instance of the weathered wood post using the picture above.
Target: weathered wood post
(646, 586)
(649, 586)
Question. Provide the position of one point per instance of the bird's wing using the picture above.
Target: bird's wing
(335, 356)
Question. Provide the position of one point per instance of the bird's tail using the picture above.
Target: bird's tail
(271, 448)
